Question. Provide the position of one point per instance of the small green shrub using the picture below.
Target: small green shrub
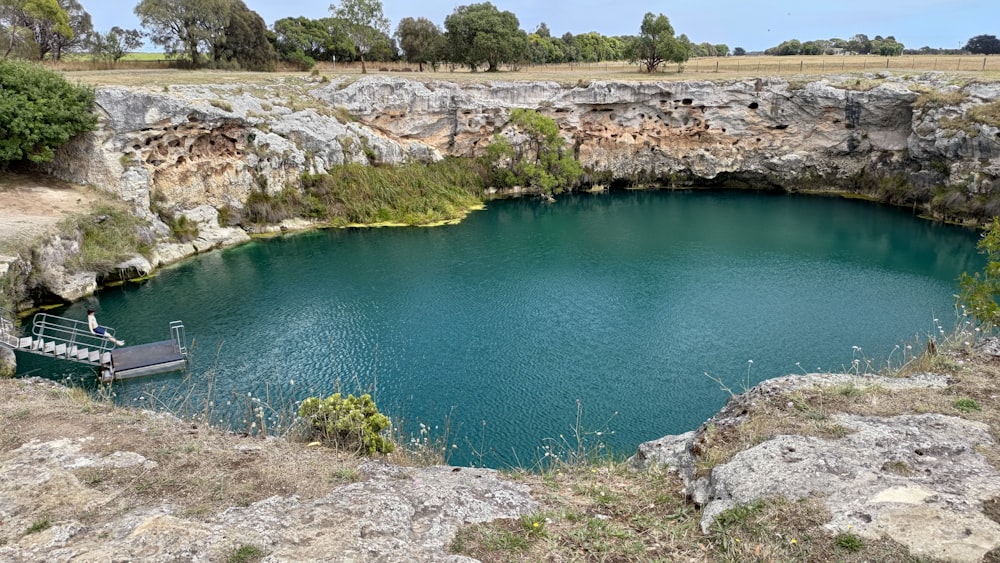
(39, 525)
(534, 524)
(849, 542)
(347, 422)
(107, 236)
(183, 229)
(967, 406)
(246, 554)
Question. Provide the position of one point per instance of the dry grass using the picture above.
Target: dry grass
(198, 469)
(608, 512)
(578, 74)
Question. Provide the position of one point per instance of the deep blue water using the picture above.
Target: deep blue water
(500, 327)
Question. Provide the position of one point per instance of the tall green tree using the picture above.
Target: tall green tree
(39, 111)
(481, 34)
(656, 43)
(185, 27)
(24, 24)
(420, 40)
(245, 41)
(112, 46)
(53, 41)
(983, 45)
(364, 23)
(319, 39)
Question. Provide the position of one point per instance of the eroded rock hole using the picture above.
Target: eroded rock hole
(753, 105)
(687, 101)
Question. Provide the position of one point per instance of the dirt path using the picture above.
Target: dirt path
(32, 205)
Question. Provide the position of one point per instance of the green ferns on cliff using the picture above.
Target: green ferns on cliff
(412, 194)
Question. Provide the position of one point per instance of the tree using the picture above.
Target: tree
(541, 162)
(722, 50)
(114, 45)
(420, 40)
(739, 52)
(481, 34)
(319, 39)
(981, 289)
(27, 25)
(656, 43)
(79, 23)
(184, 26)
(983, 45)
(245, 41)
(39, 111)
(363, 22)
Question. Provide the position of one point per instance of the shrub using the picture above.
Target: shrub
(347, 422)
(39, 111)
(980, 290)
(542, 162)
(108, 236)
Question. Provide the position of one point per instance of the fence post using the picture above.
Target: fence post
(716, 66)
(984, 63)
(887, 62)
(800, 65)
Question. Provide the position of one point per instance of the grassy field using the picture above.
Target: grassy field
(151, 69)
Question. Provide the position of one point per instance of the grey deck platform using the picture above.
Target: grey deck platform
(147, 359)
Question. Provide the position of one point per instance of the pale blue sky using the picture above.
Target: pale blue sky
(753, 25)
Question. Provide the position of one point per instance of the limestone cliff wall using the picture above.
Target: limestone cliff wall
(198, 145)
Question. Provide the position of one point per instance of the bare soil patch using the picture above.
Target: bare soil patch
(32, 205)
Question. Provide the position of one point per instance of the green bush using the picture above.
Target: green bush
(39, 111)
(108, 236)
(981, 289)
(347, 422)
(542, 162)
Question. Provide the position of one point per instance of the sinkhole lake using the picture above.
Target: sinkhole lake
(527, 321)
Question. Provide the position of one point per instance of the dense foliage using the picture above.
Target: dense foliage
(656, 44)
(39, 111)
(983, 45)
(981, 290)
(421, 41)
(480, 34)
(363, 22)
(350, 422)
(412, 194)
(542, 162)
(223, 33)
(859, 44)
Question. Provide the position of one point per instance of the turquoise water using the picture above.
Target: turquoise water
(502, 327)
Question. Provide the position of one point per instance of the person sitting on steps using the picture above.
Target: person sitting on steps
(99, 330)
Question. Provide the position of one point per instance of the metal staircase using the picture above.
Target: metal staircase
(58, 337)
(69, 339)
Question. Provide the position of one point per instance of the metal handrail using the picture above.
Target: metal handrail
(179, 337)
(8, 332)
(72, 332)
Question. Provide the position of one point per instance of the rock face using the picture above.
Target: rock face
(918, 479)
(215, 145)
(392, 514)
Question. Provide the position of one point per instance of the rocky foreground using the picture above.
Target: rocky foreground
(81, 480)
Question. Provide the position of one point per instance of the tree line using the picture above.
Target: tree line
(227, 34)
(859, 44)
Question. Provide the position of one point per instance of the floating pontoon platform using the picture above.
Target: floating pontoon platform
(71, 340)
